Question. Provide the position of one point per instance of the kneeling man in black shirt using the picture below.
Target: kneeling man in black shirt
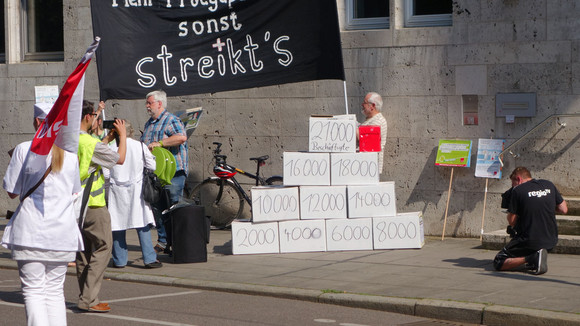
(532, 209)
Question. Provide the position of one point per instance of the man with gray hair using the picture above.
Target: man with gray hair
(166, 130)
(371, 108)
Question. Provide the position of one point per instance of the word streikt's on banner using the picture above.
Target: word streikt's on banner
(193, 47)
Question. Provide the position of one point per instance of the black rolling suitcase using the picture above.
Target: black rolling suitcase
(188, 233)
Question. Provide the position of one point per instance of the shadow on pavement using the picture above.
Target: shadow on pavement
(523, 276)
(12, 296)
(225, 249)
(485, 264)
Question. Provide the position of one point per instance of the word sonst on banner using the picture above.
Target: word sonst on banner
(211, 25)
(207, 66)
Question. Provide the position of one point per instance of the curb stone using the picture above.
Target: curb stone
(390, 304)
(450, 310)
(253, 289)
(503, 315)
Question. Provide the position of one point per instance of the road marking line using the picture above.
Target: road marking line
(540, 299)
(495, 293)
(139, 320)
(325, 321)
(111, 316)
(154, 296)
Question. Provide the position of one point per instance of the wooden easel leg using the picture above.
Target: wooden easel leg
(483, 216)
(447, 206)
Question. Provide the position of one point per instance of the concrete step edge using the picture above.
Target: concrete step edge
(568, 224)
(575, 218)
(571, 198)
(567, 244)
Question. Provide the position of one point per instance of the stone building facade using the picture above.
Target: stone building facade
(427, 75)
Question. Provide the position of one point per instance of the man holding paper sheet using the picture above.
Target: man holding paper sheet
(371, 108)
(532, 209)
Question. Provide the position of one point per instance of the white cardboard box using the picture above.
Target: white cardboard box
(332, 134)
(372, 200)
(397, 232)
(249, 238)
(275, 203)
(323, 202)
(349, 234)
(302, 236)
(354, 168)
(301, 168)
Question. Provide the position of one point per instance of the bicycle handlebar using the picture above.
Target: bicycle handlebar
(221, 159)
(217, 149)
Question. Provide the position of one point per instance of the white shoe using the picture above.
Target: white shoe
(542, 262)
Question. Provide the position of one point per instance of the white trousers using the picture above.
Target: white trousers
(42, 287)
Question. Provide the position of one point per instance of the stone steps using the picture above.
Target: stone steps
(568, 224)
(568, 237)
(573, 203)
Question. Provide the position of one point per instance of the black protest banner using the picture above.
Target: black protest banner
(203, 46)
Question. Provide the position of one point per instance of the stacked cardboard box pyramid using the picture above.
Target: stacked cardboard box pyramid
(331, 200)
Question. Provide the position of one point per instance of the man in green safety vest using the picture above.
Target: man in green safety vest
(96, 224)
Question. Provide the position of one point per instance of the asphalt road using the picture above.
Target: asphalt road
(139, 304)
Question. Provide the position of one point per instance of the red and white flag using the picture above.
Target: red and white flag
(61, 126)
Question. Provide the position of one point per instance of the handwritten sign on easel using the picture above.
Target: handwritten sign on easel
(487, 165)
(453, 153)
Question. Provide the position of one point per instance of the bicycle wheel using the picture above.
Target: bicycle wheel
(275, 181)
(224, 211)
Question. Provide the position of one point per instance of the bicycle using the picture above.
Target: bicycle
(222, 196)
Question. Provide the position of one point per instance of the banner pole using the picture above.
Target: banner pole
(345, 98)
(484, 202)
(447, 206)
(105, 131)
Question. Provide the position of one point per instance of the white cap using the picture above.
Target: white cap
(41, 110)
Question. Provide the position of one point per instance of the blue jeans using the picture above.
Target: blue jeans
(175, 191)
(121, 253)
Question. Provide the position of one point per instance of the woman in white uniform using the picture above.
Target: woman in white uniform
(43, 234)
(127, 208)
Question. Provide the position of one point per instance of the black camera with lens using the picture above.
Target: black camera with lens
(108, 124)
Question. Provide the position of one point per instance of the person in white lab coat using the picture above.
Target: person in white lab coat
(127, 208)
(43, 234)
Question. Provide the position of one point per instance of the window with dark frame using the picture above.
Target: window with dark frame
(2, 37)
(430, 7)
(44, 30)
(424, 13)
(367, 14)
(371, 8)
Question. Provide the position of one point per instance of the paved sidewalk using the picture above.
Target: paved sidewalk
(451, 279)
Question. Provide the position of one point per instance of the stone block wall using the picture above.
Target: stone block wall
(506, 46)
